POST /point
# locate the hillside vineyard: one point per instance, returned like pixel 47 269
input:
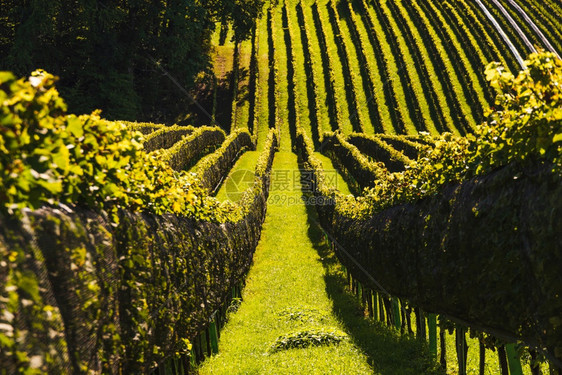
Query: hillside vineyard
pixel 363 186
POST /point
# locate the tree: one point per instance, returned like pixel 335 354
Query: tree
pixel 115 54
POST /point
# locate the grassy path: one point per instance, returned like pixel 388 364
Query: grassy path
pixel 295 285
pixel 287 276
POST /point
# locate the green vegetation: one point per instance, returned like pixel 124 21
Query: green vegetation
pixel 185 151
pixel 471 82
pixel 321 97
pixel 101 265
pixel 545 19
pixel 333 68
pixel 263 82
pixel 124 243
pixel 524 128
pixel 112 55
pixel 295 295
pixel 212 168
pixel 523 137
pixel 335 180
pixel 302 107
pixel 240 176
pixel 281 117
pixel 358 95
pixel 304 339
pixel 164 137
pixel 49 157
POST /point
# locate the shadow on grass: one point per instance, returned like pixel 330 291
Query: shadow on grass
pixel 387 351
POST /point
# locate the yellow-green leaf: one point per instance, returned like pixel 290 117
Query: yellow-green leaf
pixel 74 126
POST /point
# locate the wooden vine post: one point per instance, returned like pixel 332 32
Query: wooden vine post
pixel 482 357
pixel 396 313
pixel 376 310
pixel 462 349
pixel 420 324
pixel 503 360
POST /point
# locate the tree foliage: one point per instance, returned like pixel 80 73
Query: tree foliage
pixel 114 54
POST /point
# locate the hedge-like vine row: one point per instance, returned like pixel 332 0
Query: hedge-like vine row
pixel 143 127
pixel 394 94
pixel 84 296
pixel 166 137
pixel 317 110
pixel 287 111
pixel 472 52
pixel 358 95
pixel 415 101
pixel 422 72
pixel 362 159
pixel 356 168
pixel 410 147
pixel 213 168
pixel 447 100
pixel 359 38
pixel 109 285
pixel 66 158
pixel 185 152
pixel 281 119
pixel 241 96
pixel 261 108
pixel 320 66
pixel 504 23
pixel 467 223
pixel 547 22
pixel 524 26
pixel 372 68
pixel 471 86
pixel 465 254
pixel 483 27
pixel 253 86
pixel 378 149
pixel 294 98
pixel 332 68
pixel 545 12
pixel 521 28
pixel 234 86
pixel 272 68
pixel 464 120
pixel 445 234
pixel 554 6
pixel 485 35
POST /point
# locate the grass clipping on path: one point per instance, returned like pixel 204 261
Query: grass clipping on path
pixel 304 339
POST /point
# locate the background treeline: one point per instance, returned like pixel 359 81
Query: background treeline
pixel 114 54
